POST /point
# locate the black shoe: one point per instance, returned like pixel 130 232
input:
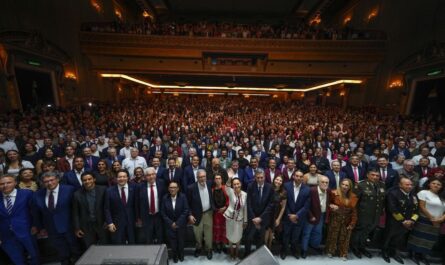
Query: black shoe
pixel 296 255
pixel 175 259
pixel 398 259
pixel 415 258
pixel 181 257
pixel 426 261
pixel 304 254
pixel 197 252
pixel 385 257
pixel 356 253
pixel 209 255
pixel 283 255
pixel 366 253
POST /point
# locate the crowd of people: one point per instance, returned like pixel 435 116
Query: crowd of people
pixel 235 171
pixel 235 30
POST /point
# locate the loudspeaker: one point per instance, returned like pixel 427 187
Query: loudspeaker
pixel 125 255
pixel 261 256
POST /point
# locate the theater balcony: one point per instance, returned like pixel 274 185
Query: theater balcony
pixel 146 57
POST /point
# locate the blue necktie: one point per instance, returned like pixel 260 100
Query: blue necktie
pixel 8 204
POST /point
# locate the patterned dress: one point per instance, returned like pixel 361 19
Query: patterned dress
pixel 219 222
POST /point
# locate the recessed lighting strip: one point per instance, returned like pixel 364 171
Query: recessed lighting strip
pixel 266 89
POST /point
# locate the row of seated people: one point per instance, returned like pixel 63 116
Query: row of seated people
pixel 284 204
pixel 234 30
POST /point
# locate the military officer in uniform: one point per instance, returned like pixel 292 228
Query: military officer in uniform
pixel 401 215
pixel 371 202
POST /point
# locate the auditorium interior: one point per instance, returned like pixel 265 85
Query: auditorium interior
pixel 387 57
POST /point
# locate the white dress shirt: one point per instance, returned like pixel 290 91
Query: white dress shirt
pixel 322 196
pixel 12 196
pixel 205 197
pixel 174 202
pixel 296 191
pixel 131 163
pixel 78 175
pixel 55 195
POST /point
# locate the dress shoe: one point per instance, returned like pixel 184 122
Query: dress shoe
pixel 398 259
pixel 415 259
pixel 365 253
pixel 296 255
pixel 356 253
pixel 175 259
pixel 283 255
pixel 385 257
pixel 181 257
pixel 209 255
pixel 304 254
pixel 197 252
pixel 426 261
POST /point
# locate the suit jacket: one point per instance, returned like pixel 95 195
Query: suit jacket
pixel 160 172
pixel 322 163
pixel 395 151
pixel 350 172
pixel 241 175
pixel 94 160
pixel 331 175
pixel 249 177
pixel 392 177
pixel 421 172
pixel 267 174
pixel 194 200
pixel 80 211
pixel 179 214
pixel 286 176
pixel 189 176
pixel 315 206
pixel 260 208
pixel 300 206
pixel 59 220
pixel 162 148
pixel 118 213
pixel 142 198
pixel 110 160
pixel 262 158
pixel 70 178
pixel 178 176
pixel 18 223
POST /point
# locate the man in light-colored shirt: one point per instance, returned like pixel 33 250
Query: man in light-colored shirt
pixel 133 162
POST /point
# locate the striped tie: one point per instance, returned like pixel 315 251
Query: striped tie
pixel 8 204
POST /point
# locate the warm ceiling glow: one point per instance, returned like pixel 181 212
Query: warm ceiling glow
pixel 96 5
pixel 396 83
pixel 70 75
pixel 275 96
pixel 258 89
pixel 374 12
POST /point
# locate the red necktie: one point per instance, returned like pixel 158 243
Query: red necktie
pixel 123 196
pixel 152 200
pixel 383 174
pixel 355 174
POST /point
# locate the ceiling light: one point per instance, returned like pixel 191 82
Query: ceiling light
pixel 258 89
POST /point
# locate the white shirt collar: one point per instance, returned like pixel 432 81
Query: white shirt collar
pixel 55 191
pixel 12 194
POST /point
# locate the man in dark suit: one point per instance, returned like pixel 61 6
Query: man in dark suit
pixel 387 175
pixel 298 202
pixel 15 222
pixel 353 171
pixel 73 177
pixel 400 149
pixel 174 211
pixel 120 210
pixel 156 164
pixel 89 212
pixel 173 173
pixel 271 171
pixel 259 210
pixel 335 175
pixel 320 161
pixel 113 156
pixel 191 172
pixel 401 215
pixel 423 167
pixel 150 195
pixel 90 160
pixel 158 146
pixel 201 151
pixel 316 216
pixel 201 203
pixel 52 216
pixel 250 172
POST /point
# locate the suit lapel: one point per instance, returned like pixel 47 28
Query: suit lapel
pixel 2 202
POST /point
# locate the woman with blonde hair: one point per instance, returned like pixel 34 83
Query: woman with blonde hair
pixel 341 219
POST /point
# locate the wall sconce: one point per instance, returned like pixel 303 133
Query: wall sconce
pixel 374 12
pixel 95 4
pixel 316 20
pixel 211 95
pixel 176 94
pixel 145 14
pixel 342 93
pixel 347 20
pixel 275 96
pixel 70 75
pixel 396 84
pixel 118 13
pixel 328 94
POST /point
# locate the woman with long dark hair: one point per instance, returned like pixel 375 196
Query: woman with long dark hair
pixel 14 162
pixel 219 222
pixel 279 200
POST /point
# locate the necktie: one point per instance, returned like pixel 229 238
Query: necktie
pixel 355 174
pixel 425 172
pixel 152 200
pixel 123 196
pixel 260 191
pixel 383 174
pixel 51 201
pixel 8 204
pixel 90 162
pixel 171 175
